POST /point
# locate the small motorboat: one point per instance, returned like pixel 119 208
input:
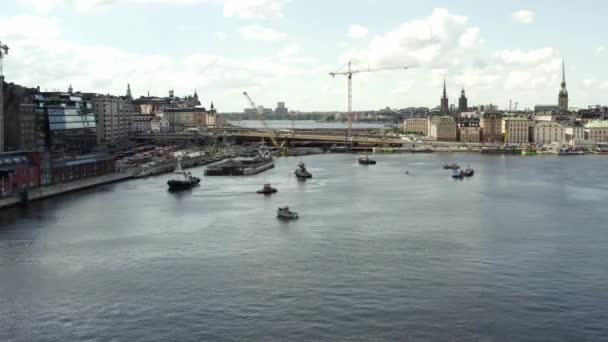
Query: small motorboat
pixel 458 174
pixel 452 166
pixel 285 213
pixel 366 161
pixel 267 190
pixel 301 171
pixel 468 172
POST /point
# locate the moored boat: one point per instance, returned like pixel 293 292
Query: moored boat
pixel 468 172
pixel 457 173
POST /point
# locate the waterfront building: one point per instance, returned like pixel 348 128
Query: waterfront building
pixel 141 123
pixel 444 104
pixel 543 108
pixel 468 131
pixel 462 102
pixel 547 132
pixel 20 119
pixel 515 130
pixel 417 126
pixel 113 115
pixel 563 92
pixel 443 128
pixel 574 133
pixel 69 169
pixel 597 131
pixel 18 171
pixel 491 127
pixel 159 125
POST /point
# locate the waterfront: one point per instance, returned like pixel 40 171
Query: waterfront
pixel 515 253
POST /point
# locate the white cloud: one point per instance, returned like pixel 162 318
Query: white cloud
pixel 588 82
pixel 29 27
pixel 524 16
pixel 432 41
pixel 600 49
pixel 404 87
pixel 255 32
pixel 254 9
pixel 221 35
pixel 357 32
pixel 530 57
pixel 289 51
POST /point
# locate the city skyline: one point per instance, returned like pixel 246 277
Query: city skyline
pixel 267 47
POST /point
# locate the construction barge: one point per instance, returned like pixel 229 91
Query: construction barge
pixel 243 166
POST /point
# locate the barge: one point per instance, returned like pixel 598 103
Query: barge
pixel 243 166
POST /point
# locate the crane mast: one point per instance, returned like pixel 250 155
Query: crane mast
pixel 349 74
pixel 261 118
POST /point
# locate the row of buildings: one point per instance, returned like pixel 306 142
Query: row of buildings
pixel 34 120
pixel 496 128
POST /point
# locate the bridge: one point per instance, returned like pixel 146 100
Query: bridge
pixel 303 137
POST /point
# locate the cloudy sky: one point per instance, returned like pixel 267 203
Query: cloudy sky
pixel 282 50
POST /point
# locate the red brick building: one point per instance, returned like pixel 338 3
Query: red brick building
pixel 69 169
pixel 18 171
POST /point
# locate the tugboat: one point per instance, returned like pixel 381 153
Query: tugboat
pixel 285 213
pixel 366 161
pixel 182 180
pixel 301 171
pixel 458 174
pixel 452 166
pixel 468 172
pixel 267 190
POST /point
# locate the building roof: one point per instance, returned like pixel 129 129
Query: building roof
pixel 597 124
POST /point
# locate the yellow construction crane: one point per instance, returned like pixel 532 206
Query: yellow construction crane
pixel 271 133
pixel 349 73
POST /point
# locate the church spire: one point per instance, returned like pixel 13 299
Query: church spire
pixel 70 89
pixel 444 91
pixel 129 90
pixel 563 73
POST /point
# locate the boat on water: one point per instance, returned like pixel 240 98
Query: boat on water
pixel 528 151
pixel 301 171
pixel 569 152
pixel 366 161
pixel 452 166
pixel 260 162
pixel 468 172
pixel 285 213
pixel 457 173
pixel 267 189
pixel 182 180
pixel 501 150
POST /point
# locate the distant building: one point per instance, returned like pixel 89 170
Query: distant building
pixel 468 131
pixel 444 106
pixel 515 130
pixel 442 128
pixel 462 102
pixel 1 113
pixel 281 109
pixel 68 168
pixel 141 123
pixel 180 118
pixel 545 108
pixel 491 127
pixel 18 171
pixel 113 117
pixel 597 131
pixel 546 132
pixel 417 126
pixel 159 125
pixel 20 119
pixel 563 93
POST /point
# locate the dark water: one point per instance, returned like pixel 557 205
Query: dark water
pixel 517 253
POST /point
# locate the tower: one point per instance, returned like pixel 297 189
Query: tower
pixel 70 89
pixel 462 102
pixel 445 109
pixel 129 90
pixel 562 100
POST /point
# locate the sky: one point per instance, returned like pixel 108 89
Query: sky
pixel 283 50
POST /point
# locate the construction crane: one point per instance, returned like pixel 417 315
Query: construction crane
pixel 260 112
pixel 349 74
pixel 3 52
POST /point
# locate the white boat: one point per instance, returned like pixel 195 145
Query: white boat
pixel 285 213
